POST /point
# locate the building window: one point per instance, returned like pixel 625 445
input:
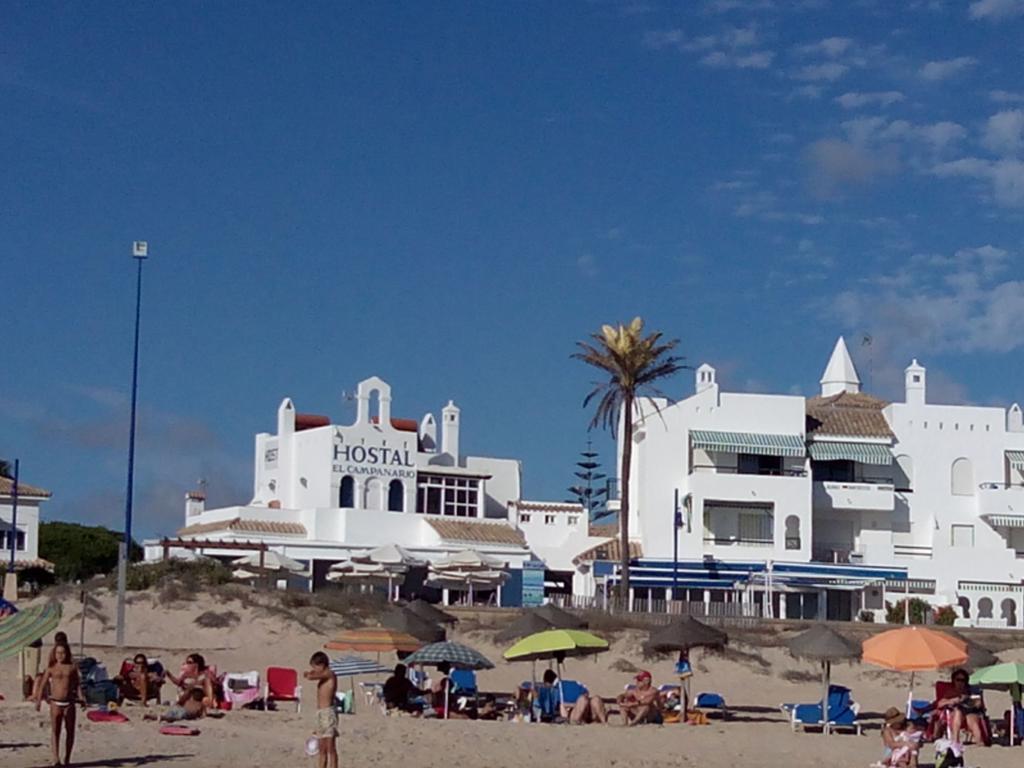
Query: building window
pixel 838 471
pixel 755 464
pixel 347 493
pixel 985 606
pixel 962 478
pixel 396 496
pixel 917 378
pixel 962 536
pixel 448 495
pixel 728 523
pixel 549 519
pixel 524 517
pixel 19 541
pixel 792 532
pixel 574 520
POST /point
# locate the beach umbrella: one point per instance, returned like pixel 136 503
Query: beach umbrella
pixel 350 666
pixel 403 620
pixel 682 635
pixel 559 618
pixel 529 623
pixel 371 639
pixel 389 554
pixel 458 656
pixel 466 560
pixel 26 625
pixel 823 644
pixel 1004 677
pixel 913 649
pixel 978 656
pixel 556 644
pixel 430 612
pixel 272 561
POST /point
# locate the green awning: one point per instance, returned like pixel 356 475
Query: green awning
pixel 1005 521
pixel 748 442
pixel 1016 459
pixel 864 453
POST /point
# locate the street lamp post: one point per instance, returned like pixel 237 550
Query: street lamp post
pixel 677 523
pixel 140 250
pixel 13 540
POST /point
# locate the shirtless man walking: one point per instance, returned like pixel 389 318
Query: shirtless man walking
pixel 326 716
pixel 65 692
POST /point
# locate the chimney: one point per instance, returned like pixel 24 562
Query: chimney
pixel 450 430
pixel 195 504
pixel 705 378
pixel 915 383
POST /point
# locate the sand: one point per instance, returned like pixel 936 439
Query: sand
pixel 754 679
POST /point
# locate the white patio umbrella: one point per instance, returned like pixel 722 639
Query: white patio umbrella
pixel 389 554
pixel 272 561
pixel 468 560
pixel 467 574
pixel 351 570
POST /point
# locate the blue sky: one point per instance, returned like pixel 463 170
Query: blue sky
pixel 449 195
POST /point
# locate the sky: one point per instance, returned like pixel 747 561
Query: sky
pixel 449 195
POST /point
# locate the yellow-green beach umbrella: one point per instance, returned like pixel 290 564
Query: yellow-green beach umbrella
pixel 556 644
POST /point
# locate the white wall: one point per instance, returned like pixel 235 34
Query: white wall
pixel 28 521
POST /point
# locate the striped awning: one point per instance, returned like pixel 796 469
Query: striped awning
pixel 748 442
pixel 1005 521
pixel 863 453
pixel 1016 459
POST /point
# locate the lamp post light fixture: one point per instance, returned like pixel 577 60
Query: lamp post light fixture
pixel 140 251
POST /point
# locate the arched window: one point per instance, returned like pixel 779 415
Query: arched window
pixel 373 498
pixel 396 496
pixel 985 608
pixel 792 532
pixel 962 478
pixel 965 606
pixel 347 493
pixel 904 476
pixel 1008 611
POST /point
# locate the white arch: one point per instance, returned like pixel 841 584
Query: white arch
pixel 373 494
pixel 962 477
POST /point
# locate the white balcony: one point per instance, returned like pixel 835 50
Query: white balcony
pixel 1000 499
pixel 829 495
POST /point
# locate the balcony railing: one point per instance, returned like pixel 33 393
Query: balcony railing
pixel 729 541
pixel 718 470
pixel 831 553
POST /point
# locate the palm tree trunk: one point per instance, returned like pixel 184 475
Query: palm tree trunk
pixel 624 470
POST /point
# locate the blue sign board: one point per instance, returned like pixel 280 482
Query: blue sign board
pixel 533 583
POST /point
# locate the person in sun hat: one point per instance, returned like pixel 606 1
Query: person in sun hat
pixel 901 740
pixel 643 703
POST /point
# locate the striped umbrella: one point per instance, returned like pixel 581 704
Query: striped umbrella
pixel 26 626
pixel 459 656
pixel 349 666
pixel 373 639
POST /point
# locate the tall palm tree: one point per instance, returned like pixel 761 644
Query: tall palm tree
pixel 634 363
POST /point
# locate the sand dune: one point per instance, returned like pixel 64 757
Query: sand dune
pixel 753 678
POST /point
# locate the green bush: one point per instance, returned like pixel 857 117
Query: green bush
pixel 867 616
pixel 81 551
pixel 191 576
pixel 896 612
pixel 945 616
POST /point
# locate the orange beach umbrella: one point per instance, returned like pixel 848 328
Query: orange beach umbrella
pixel 374 639
pixel 912 649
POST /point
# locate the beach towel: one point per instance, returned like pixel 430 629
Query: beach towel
pixel 178 730
pixel 100 716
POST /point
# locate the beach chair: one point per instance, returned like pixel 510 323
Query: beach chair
pixel 156 682
pixel 241 688
pixel 939 726
pixel 842 713
pixel 571 691
pixel 282 685
pixel 463 682
pixel 709 702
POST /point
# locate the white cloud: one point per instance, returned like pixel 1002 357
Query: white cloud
pixel 940 70
pixel 808 91
pixel 830 71
pixel 853 100
pixel 663 38
pixel 1004 133
pixel 726 6
pixel 1006 177
pixel 937 136
pixel 833 47
pixel 835 164
pixel 587 264
pixel 733 47
pixel 996 9
pixel 942 303
pixel 1006 97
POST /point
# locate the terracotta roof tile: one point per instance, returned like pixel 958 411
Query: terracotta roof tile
pixel 609 551
pixel 241 525
pixel 605 529
pixel 847 414
pixel 24 489
pixel 548 506
pixel 477 532
pixel 21 565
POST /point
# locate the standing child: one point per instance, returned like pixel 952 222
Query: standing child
pixel 65 692
pixel 326 717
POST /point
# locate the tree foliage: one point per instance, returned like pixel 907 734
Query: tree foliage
pixel 634 364
pixel 588 475
pixel 81 551
pixel 896 612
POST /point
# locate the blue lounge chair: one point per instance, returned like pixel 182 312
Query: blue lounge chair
pixel 713 702
pixel 463 681
pixel 842 712
pixel 571 691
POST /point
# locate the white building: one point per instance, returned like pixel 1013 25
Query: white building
pixel 25 533
pixel 322 491
pixel 817 507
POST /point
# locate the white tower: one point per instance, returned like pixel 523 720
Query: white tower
pixel 1014 419
pixel 915 383
pixel 705 378
pixel 840 374
pixel 450 430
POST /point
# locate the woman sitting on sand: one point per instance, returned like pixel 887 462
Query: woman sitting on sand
pixel 141 683
pixel 194 674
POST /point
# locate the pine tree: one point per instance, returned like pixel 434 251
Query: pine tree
pixel 593 499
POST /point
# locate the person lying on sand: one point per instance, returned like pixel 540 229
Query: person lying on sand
pixel 643 704
pixel 64 691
